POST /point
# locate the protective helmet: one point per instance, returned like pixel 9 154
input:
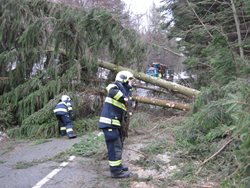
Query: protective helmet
pixel 65 98
pixel 124 76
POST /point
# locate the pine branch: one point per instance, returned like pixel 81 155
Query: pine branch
pixel 214 155
pixel 199 19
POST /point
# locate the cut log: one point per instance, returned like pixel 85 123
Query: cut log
pixel 4 78
pixel 153 101
pixel 155 81
pixel 167 92
pixel 162 102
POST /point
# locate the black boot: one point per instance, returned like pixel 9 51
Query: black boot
pixel 63 133
pixel 120 174
pixel 71 135
pixel 124 168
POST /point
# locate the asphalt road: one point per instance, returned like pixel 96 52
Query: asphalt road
pixel 25 164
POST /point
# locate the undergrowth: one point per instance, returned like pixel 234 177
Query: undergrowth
pixel 220 121
pixel 43 123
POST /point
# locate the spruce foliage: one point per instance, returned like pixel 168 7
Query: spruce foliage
pixel 211 41
pixel 47 49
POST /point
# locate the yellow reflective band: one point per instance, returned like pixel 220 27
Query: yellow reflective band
pixel 62 128
pixel 116 122
pixel 105 120
pixel 70 108
pixel 115 103
pixel 60 110
pixel 69 130
pixel 115 163
pixel 110 86
pixel 109 130
pixel 110 121
pixel 118 95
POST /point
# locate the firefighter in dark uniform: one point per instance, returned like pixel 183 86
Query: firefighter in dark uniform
pixel 118 95
pixel 64 112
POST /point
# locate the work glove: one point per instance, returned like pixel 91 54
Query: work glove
pixel 71 115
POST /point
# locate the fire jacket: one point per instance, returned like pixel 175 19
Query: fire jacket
pixel 63 108
pixel 114 105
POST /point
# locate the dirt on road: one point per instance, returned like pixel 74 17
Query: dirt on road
pixel 46 163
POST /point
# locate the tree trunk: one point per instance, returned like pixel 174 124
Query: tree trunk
pixel 237 24
pixel 163 103
pixel 147 100
pixel 167 92
pixel 155 81
pixel 4 78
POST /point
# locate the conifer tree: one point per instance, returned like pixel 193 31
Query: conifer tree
pixel 48 48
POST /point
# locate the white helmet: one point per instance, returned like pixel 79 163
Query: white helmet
pixel 65 98
pixel 124 76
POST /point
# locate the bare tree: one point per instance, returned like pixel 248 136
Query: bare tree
pixel 237 24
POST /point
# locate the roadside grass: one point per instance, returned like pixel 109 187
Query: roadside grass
pixel 140 120
pixel 24 164
pixel 156 147
pixel 40 141
pixel 161 133
pixel 6 149
pixel 90 145
pixel 124 184
pixel 61 157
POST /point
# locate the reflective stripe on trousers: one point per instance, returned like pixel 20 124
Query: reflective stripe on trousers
pixel 115 147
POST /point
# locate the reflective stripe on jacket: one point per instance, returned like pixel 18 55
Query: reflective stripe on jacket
pixel 69 105
pixel 114 106
pixel 62 108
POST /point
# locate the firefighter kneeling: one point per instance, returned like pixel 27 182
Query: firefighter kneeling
pixel 112 115
pixel 63 111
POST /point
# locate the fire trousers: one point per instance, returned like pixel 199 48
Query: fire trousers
pixel 115 147
pixel 64 124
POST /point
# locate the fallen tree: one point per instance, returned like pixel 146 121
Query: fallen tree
pixel 155 81
pixel 189 92
pixel 163 103
pixel 167 92
pixel 149 100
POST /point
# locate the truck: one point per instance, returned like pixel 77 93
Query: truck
pixel 159 70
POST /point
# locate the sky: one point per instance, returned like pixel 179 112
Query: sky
pixel 141 7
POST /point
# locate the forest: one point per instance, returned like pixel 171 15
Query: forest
pixel 50 48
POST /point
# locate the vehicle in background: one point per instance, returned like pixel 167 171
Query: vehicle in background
pixel 160 71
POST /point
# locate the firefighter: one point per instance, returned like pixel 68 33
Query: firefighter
pixel 118 95
pixel 64 112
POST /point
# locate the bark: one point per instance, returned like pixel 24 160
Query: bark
pixel 155 81
pixel 163 103
pixel 167 92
